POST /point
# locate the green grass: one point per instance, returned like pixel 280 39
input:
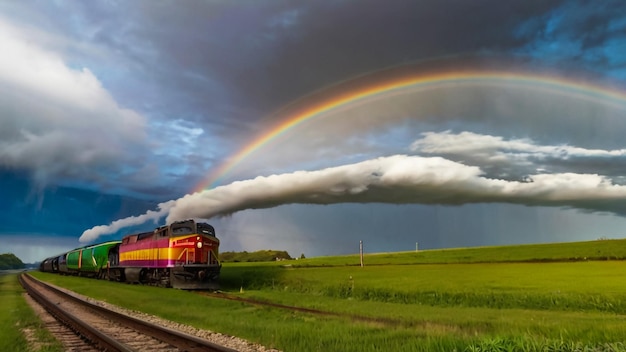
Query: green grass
pixel 571 251
pixel 17 318
pixel 495 305
pixel 562 286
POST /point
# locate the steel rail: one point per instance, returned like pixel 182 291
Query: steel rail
pixel 81 328
pixel 175 338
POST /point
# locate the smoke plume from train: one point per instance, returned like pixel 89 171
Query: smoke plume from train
pixel 396 179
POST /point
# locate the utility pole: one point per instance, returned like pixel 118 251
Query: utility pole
pixel 361 251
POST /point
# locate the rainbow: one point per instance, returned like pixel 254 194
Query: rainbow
pixel 362 91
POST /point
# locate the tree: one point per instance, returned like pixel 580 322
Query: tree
pixel 10 261
pixel 258 256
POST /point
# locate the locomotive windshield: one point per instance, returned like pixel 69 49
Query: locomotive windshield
pixel 206 229
pixel 190 227
pixel 182 230
pixel 183 227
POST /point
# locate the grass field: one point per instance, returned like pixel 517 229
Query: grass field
pixel 17 321
pixel 596 286
pixel 571 251
pixel 527 298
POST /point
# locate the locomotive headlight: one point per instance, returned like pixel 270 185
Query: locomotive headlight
pixel 199 244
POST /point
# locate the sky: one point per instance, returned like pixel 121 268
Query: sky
pixel 309 126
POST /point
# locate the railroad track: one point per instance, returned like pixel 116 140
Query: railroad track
pixel 106 330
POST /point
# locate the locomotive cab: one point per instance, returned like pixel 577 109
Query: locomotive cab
pixel 183 255
pixel 197 265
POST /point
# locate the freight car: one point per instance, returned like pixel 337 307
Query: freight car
pixel 50 265
pixel 90 261
pixel 62 264
pixel 182 255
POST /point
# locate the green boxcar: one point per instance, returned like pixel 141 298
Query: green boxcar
pixel 90 260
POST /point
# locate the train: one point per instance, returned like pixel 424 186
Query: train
pixel 183 255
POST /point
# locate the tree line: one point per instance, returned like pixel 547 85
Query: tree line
pixel 10 261
pixel 258 256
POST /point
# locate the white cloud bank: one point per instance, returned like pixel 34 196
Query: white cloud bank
pixel 473 143
pixel 523 153
pixel 58 121
pixel 396 179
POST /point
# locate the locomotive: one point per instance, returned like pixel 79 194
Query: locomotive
pixel 182 255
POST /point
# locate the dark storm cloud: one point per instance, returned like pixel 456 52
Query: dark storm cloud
pixel 224 65
pixel 239 60
pixel 64 211
pixel 331 41
pixel 585 33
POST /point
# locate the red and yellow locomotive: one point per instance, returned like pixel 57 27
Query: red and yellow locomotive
pixel 182 255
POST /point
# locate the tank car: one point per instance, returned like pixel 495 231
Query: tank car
pixel 49 265
pixel 182 255
pixel 61 260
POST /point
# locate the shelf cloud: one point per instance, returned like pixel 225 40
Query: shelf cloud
pixel 399 179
